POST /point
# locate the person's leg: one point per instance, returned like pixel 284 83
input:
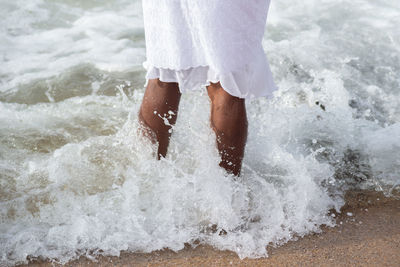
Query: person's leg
pixel 229 122
pixel 158 112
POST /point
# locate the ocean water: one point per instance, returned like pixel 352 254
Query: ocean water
pixel 76 178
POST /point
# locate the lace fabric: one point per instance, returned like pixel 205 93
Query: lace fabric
pixel 198 42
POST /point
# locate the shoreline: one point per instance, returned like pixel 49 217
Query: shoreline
pixel 367 234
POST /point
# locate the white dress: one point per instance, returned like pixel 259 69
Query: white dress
pixel 195 42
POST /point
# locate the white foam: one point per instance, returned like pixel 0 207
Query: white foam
pixel 40 49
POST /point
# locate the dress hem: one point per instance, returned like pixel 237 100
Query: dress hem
pixel 245 84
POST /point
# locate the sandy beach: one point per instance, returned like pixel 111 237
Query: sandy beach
pixel 367 234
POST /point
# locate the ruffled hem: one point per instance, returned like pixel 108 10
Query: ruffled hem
pixel 255 80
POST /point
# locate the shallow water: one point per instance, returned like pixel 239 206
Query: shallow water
pixel 75 178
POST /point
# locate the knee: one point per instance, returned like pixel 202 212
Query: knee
pixel 227 112
pixel 161 96
pixel 160 84
pixel 221 99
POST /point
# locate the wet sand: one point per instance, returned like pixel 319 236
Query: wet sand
pixel 367 234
